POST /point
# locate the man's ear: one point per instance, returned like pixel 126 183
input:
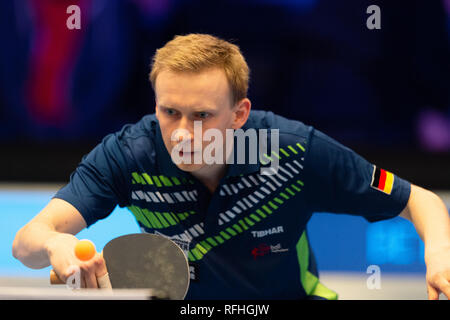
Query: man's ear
pixel 241 112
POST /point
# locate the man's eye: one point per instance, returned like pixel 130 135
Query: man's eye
pixel 170 112
pixel 203 115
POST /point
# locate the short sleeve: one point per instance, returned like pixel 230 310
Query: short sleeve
pixel 99 182
pixel 341 181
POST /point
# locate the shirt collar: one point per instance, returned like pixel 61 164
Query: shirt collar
pixel 167 167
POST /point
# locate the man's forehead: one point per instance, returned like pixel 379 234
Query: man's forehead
pixel 209 80
pixel 212 76
pixel 204 92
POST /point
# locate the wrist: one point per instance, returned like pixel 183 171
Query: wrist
pixel 436 247
pixel 437 236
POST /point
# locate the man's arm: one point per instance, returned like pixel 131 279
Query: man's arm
pixel 430 217
pixel 48 239
pixel 30 243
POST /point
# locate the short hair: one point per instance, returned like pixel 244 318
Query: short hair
pixel 198 52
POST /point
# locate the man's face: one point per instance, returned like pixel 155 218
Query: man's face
pixel 182 98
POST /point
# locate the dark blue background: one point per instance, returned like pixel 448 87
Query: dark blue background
pixel 311 60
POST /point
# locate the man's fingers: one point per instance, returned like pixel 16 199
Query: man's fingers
pixel 87 280
pixel 443 285
pixel 85 274
pixel 93 269
pixel 437 284
pixel 433 294
pixel 100 266
pixel 83 283
pixel 101 273
pixel 104 282
pixel 69 273
pixel 91 280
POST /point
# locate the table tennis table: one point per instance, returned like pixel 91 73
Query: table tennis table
pixel 63 293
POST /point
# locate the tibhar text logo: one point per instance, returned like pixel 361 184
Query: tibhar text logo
pixel 213 153
pixel 268 232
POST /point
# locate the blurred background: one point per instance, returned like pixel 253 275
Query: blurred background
pixel 385 93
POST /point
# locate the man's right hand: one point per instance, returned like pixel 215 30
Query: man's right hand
pixel 48 239
pixel 61 253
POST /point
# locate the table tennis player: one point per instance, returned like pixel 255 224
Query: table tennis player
pixel 242 225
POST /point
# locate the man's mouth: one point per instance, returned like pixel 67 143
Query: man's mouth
pixel 181 153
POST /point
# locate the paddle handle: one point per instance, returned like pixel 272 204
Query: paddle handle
pixel 54 279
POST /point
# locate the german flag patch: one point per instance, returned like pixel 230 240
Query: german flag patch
pixel 382 180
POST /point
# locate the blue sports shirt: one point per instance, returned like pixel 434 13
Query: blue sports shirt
pixel 248 239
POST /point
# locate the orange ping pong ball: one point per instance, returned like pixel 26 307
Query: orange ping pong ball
pixel 85 250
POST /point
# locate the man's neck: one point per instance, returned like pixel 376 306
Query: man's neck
pixel 210 175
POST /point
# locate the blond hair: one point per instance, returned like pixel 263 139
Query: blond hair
pixel 198 52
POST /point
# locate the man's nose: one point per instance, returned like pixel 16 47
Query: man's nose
pixel 184 132
pixel 182 135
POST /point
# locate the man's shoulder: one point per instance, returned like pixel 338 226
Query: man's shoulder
pixel 291 131
pixel 136 141
pixel 145 127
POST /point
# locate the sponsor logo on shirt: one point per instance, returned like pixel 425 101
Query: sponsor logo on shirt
pixel 264 249
pixel 267 232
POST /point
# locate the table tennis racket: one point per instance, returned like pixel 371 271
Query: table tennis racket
pixel 145 260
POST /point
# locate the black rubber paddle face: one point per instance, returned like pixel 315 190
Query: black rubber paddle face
pixel 145 260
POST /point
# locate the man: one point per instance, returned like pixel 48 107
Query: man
pixel 242 228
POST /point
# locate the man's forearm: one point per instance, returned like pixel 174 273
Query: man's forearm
pixel 429 215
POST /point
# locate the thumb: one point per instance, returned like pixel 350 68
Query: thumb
pixel 433 294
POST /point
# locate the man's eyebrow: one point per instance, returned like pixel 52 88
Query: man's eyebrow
pixel 196 108
pixel 166 107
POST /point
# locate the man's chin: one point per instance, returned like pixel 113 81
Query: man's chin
pixel 189 167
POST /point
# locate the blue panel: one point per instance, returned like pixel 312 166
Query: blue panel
pixel 348 243
pixel 395 244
